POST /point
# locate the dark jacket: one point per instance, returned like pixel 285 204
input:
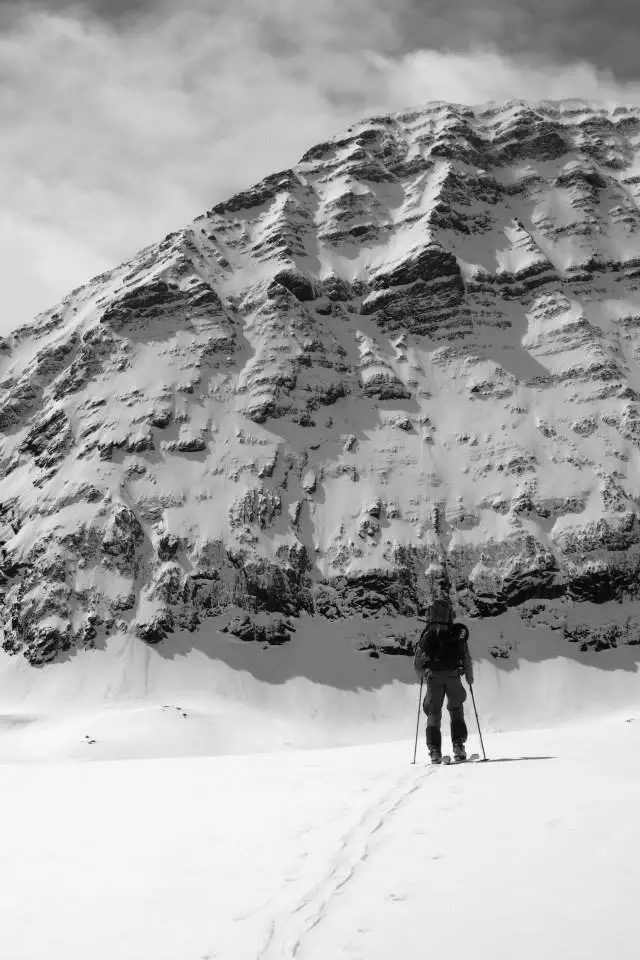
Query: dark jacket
pixel 461 661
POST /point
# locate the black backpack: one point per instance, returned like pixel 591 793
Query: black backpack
pixel 439 614
pixel 442 643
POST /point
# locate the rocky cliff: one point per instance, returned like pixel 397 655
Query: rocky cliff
pixel 421 344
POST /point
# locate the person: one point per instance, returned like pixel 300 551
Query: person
pixel 441 657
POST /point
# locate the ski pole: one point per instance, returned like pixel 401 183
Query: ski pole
pixel 415 749
pixel 484 756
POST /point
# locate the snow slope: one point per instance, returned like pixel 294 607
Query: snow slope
pixel 341 853
pixel 213 694
pixel 419 344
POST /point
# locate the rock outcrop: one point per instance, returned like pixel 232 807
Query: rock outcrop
pixel 420 344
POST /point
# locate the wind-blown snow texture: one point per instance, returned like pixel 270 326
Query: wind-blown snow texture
pixel 422 341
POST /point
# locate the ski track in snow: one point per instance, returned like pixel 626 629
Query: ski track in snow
pixel 287 931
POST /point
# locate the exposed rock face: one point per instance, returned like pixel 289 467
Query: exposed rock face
pixel 420 343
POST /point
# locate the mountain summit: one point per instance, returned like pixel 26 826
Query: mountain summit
pixel 415 353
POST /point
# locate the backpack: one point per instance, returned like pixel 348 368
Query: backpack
pixel 439 613
pixel 442 643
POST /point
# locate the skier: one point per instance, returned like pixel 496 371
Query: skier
pixel 442 655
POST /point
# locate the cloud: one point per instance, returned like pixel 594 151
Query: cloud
pixel 480 76
pixel 559 31
pixel 117 131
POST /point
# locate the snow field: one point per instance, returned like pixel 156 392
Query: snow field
pixel 208 694
pixel 341 853
pixel 261 804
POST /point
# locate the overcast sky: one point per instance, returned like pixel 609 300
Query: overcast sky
pixel 123 119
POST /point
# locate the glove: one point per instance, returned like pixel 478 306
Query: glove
pixel 469 678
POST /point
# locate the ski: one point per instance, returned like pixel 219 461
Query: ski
pixel 451 761
pixel 447 760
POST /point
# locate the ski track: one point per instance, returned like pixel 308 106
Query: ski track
pixel 288 930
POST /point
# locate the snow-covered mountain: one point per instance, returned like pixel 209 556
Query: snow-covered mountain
pixel 420 343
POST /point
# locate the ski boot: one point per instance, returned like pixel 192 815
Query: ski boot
pixel 435 755
pixel 459 752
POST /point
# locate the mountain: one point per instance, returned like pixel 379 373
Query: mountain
pixel 412 356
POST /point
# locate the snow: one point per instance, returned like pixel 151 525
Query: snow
pixel 168 487
pixel 212 798
pixel 343 853
pixel 220 800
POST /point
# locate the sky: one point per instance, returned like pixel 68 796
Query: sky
pixel 124 119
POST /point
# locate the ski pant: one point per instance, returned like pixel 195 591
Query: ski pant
pixel 439 684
